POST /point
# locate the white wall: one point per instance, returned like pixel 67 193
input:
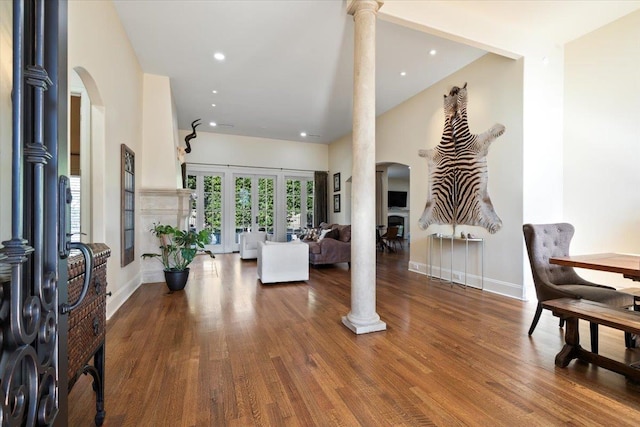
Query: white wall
pixel 99 46
pixel 219 149
pixel 159 162
pixel 602 142
pixel 6 83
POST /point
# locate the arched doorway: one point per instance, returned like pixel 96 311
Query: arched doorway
pixel 393 184
pixel 87 153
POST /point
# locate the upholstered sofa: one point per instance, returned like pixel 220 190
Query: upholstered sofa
pixel 333 247
pixel 282 262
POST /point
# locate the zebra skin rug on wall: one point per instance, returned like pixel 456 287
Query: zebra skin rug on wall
pixel 457 189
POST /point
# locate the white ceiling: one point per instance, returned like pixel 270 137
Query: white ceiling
pixel 289 63
pixel 288 66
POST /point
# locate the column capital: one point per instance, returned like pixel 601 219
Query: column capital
pixel 358 5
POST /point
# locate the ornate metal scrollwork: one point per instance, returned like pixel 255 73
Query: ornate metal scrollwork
pixel 29 376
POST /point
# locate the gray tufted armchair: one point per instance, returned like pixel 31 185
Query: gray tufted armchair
pixel 552 281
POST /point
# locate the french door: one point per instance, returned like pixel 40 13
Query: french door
pixel 255 204
pixel 230 201
pixel 229 204
pixel 299 197
pixel 207 207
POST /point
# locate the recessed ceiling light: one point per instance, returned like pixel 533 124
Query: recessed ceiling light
pixel 433 52
pixel 214 91
pixel 303 134
pixel 219 56
pixel 403 73
pixel 213 124
pixel 213 105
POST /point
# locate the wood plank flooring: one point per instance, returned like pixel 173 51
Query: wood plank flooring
pixel 229 351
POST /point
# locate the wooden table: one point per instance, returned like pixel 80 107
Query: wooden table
pixel 627 265
pixel 574 309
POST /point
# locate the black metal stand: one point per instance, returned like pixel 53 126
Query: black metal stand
pixel 97 372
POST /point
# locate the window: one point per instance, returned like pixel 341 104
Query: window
pixel 74 182
pixel 127 205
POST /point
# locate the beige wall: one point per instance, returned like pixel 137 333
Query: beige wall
pixel 602 141
pixel 495 95
pixel 340 161
pixel 6 83
pixel 99 46
pixel 542 91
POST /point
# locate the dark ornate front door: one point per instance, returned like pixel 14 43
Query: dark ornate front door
pixel 33 385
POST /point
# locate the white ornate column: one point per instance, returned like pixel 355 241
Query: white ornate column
pixel 363 317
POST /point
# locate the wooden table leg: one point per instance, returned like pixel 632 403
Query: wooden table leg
pixel 572 343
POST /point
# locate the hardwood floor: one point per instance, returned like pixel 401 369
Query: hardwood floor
pixel 229 351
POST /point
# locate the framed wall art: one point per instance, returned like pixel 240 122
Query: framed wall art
pixel 336 182
pixel 336 203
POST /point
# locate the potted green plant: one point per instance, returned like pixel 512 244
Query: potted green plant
pixel 177 249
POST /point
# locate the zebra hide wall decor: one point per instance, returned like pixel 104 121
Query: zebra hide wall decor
pixel 457 190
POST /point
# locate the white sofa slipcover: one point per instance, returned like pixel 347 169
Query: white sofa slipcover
pixel 249 243
pixel 283 262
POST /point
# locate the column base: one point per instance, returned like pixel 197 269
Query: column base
pixel 364 329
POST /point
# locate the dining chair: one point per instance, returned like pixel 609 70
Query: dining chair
pixel 552 281
pixel 391 238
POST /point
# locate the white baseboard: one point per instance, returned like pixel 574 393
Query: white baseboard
pixel 115 301
pixel 511 290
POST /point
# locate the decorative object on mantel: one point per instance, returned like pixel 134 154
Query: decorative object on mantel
pixel 183 151
pixel 458 175
pixel 178 248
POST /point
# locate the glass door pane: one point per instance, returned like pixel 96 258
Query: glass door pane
pixel 213 207
pixel 266 204
pixel 243 202
pixel 310 201
pixel 294 205
pixel 207 207
pixel 299 205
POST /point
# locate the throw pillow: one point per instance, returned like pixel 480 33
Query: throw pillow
pixel 323 233
pixel 333 234
pixel 308 235
pixel 345 233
